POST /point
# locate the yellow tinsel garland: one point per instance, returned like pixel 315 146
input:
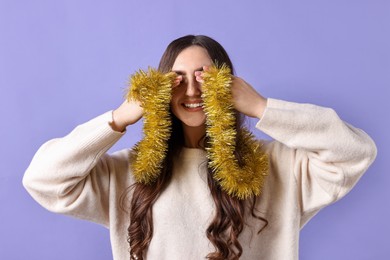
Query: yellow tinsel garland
pixel 153 90
pixel 240 181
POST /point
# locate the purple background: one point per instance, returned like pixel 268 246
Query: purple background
pixel 64 62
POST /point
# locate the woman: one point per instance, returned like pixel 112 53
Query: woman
pixel 314 160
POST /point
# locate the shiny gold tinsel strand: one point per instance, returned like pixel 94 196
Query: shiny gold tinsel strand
pixel 240 181
pixel 153 90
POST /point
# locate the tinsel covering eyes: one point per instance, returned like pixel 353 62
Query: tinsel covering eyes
pixel 153 90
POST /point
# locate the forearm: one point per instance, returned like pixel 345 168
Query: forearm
pixel 314 128
pixel 325 155
pixel 60 164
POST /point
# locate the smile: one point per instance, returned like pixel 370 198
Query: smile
pixel 193 105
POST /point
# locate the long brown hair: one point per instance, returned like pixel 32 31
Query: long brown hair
pixel 228 221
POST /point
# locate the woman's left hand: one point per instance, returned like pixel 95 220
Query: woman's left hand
pixel 245 98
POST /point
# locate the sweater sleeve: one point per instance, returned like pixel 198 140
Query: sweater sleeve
pixel 71 175
pixel 329 155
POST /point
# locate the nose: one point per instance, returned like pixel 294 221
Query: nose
pixel 193 88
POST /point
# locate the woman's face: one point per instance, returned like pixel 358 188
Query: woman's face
pixel 186 102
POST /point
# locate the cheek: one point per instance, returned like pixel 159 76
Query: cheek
pixel 174 105
pixel 175 98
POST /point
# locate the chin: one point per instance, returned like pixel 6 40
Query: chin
pixel 195 123
pixel 191 120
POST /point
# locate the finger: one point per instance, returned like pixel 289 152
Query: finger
pixel 177 81
pixel 179 78
pixel 199 76
pixel 199 79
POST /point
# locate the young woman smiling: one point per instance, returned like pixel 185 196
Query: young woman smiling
pixel 314 160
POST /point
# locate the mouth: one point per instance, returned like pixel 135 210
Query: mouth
pixel 193 106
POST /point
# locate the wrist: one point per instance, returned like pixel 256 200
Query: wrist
pixel 261 107
pixel 116 123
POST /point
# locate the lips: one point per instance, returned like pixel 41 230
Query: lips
pixel 193 105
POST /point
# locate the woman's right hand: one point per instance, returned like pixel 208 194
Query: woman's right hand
pixel 126 114
pixel 131 111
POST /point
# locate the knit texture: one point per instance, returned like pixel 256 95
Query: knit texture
pixel 314 159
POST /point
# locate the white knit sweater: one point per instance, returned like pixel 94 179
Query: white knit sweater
pixel 315 160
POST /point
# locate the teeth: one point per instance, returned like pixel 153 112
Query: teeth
pixel 193 105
